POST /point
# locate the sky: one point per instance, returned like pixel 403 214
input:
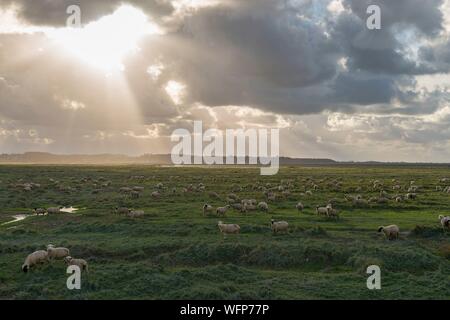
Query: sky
pixel 137 70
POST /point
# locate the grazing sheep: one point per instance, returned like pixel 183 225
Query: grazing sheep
pixel 136 213
pixel 54 210
pixel 360 202
pixel 122 210
pixel 39 211
pixel 33 259
pixel 138 189
pixel 263 206
pixel 55 253
pixel 249 207
pixel 279 226
pixel 228 228
pixel 322 210
pixel 391 232
pixel 207 209
pixel 445 222
pixel 81 263
pixel 156 195
pixel 221 211
pixel 333 213
pixel 125 190
pixel 308 193
pixel 299 206
pixel 135 195
pixel 411 196
pixel 398 199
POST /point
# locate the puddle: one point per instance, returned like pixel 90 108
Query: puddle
pixel 17 218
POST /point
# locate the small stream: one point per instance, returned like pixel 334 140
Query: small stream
pixel 21 217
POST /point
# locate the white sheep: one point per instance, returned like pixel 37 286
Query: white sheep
pixel 279 226
pixel 54 210
pixel 207 209
pixel 299 206
pixel 333 213
pixel 33 259
pixel 445 222
pixel 263 206
pixel 221 211
pixel 228 228
pixel 136 213
pixel 56 253
pixel 81 263
pixel 122 210
pixel 156 195
pixel 391 232
pixel 322 210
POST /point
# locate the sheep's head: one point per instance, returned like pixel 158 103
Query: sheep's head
pixel 68 259
pixel 25 268
pixel 380 229
pixel 219 223
pixel 50 246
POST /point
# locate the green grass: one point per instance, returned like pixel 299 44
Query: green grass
pixel 173 252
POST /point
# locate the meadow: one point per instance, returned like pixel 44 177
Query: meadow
pixel 174 252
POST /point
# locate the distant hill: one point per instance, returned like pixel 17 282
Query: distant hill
pixel 163 159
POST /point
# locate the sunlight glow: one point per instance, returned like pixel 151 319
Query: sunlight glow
pixel 105 42
pixel 176 91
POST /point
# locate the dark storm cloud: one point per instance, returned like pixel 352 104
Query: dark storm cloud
pixel 53 12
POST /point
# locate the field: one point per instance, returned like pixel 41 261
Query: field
pixel 173 252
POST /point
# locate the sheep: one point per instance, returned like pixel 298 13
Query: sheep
pixel 33 259
pixel 122 210
pixel 411 196
pixel 221 211
pixel 138 189
pixel 55 253
pixel 322 210
pixel 299 206
pixel 228 228
pixel 81 263
pixel 39 211
pixel 207 209
pixel 279 226
pixel 136 213
pixel 445 222
pixel 125 190
pixel 135 195
pixel 391 232
pixel 249 207
pixel 333 213
pixel 214 195
pixel 398 199
pixel 309 193
pixel 360 202
pixel 54 210
pixel 156 195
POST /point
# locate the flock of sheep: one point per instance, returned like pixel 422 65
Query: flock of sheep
pixel 52 253
pixel 270 192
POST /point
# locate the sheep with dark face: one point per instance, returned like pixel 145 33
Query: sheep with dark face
pixel 221 211
pixel 391 232
pixel 263 206
pixel 445 222
pixel 35 258
pixel 279 226
pixel 207 209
